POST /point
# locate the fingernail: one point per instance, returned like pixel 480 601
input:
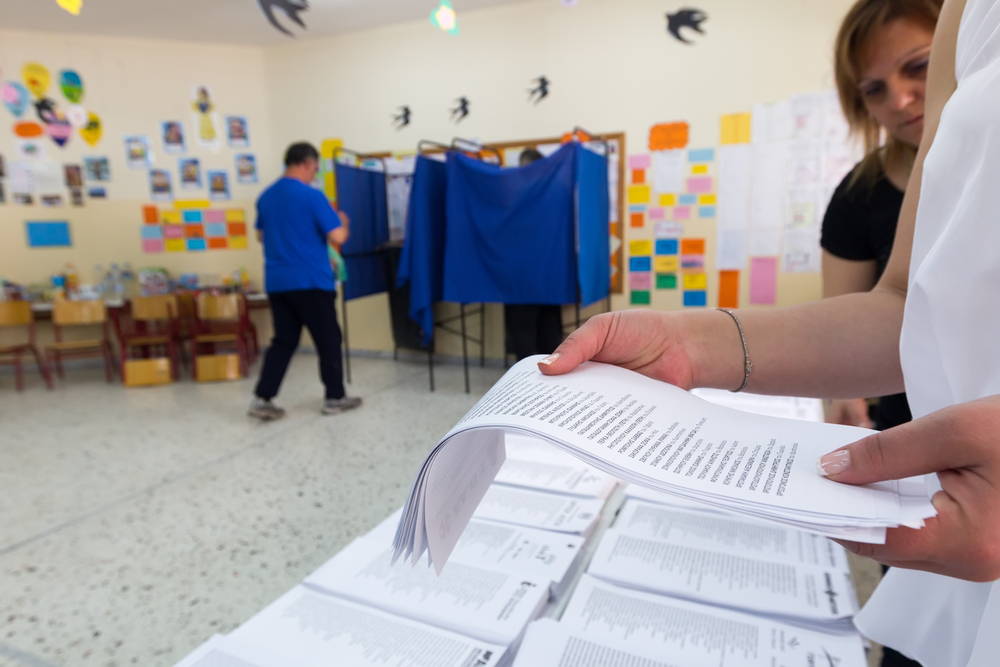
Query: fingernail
pixel 551 359
pixel 834 462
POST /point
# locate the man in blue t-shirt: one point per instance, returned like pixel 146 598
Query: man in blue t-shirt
pixel 295 223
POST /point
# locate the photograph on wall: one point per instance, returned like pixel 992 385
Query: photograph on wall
pixel 97 193
pixel 190 171
pixel 246 168
pixel 51 200
pixel 218 184
pixel 97 169
pixel 159 185
pixel 137 152
pixel 206 118
pixel 73 175
pixel 237 132
pixel 76 197
pixel 173 136
pixel 3 168
pixel 3 194
pixel 22 198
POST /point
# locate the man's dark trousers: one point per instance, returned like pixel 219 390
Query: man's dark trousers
pixel 317 310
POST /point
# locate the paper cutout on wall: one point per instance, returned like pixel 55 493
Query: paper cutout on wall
pixel 76 116
pixel 539 90
pixel 91 132
pixel 15 98
pixel 638 194
pixel 666 264
pixel 403 118
pixel 237 132
pixel 640 298
pixel 246 168
pixel 640 280
pixel 734 129
pixel 685 18
pixel 36 78
pixel 28 129
pixel 291 9
pixel 206 119
pixel 60 130
pixel 218 184
pixel 71 85
pixel 459 112
pixel 696 299
pixel 200 228
pixel 695 281
pixel 638 162
pixel 172 135
pixel 666 281
pixel 640 247
pixel 666 136
pixel 444 18
pixel 71 6
pixel 137 153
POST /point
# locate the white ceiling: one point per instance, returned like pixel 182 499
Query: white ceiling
pixel 220 21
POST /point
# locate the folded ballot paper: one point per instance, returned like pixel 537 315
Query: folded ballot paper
pixel 654 435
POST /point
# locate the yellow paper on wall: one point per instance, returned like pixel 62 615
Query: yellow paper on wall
pixel 728 129
pixel 328 146
pixel 639 248
pixel 170 217
pixel 665 263
pixel 743 128
pixel 699 169
pixel 668 200
pixel 235 215
pixel 175 245
pixel 192 203
pixel 695 281
pixel 237 242
pixel 706 199
pixel 638 194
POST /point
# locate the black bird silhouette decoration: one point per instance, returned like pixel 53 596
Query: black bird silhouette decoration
pixel 291 8
pixel 461 111
pixel 540 91
pixel 686 17
pixel 402 119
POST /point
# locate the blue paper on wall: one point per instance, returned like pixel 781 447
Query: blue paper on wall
pixel 48 234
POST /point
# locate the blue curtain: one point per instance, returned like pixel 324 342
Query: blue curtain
pixel 510 232
pixel 422 261
pixel 593 208
pixel 361 195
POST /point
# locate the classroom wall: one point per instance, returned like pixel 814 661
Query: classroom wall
pixel 133 85
pixel 612 65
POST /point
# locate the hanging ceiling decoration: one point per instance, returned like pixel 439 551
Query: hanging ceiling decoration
pixel 444 18
pixel 291 9
pixel 71 6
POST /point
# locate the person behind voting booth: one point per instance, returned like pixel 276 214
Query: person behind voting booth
pixel 929 324
pixel 296 223
pixel 532 328
pixel 880 66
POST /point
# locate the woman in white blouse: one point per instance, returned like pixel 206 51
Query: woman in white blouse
pixel 931 323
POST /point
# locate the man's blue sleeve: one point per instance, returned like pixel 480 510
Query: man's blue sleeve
pixel 327 219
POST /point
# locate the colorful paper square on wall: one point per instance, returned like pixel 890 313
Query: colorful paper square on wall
pixel 640 280
pixel 238 243
pixel 195 245
pixel 640 247
pixel 729 289
pixel 693 246
pixel 638 194
pixel 640 263
pixel 191 216
pixel 215 229
pixel 218 243
pixel 695 281
pixel 638 176
pixel 666 246
pixel 640 298
pixel 696 299
pixel 666 264
pixel 235 215
pixel 237 228
pixel 667 136
pixel 666 281
pixel 636 220
pixel 150 215
pixel 193 227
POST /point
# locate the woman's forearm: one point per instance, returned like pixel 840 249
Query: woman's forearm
pixel 841 347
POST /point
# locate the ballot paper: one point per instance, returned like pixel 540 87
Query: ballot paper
pixel 656 435
pixel 696 635
pixel 551 644
pixel 317 630
pixel 537 509
pixel 535 464
pixel 779 589
pixel 222 651
pixel 789 407
pixel 730 534
pixel 539 554
pixel 480 602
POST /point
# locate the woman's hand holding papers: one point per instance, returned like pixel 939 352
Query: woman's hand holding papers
pixel 959 443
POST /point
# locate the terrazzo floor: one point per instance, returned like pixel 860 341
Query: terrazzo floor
pixel 135 523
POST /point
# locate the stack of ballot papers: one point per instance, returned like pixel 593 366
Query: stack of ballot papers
pixel 654 435
pixel 538 509
pixel 789 407
pixel 728 561
pixel 535 464
pixel 311 629
pixel 537 554
pixel 608 626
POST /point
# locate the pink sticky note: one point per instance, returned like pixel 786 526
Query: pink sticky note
pixel 638 162
pixel 763 280
pixel 214 215
pixel 173 231
pixel 682 212
pixel 640 280
pixel 152 245
pixel 657 213
pixel 700 184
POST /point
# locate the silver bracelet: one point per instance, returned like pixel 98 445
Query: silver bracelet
pixel 747 366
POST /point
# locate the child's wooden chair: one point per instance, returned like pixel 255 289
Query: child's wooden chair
pixel 80 313
pixel 220 319
pixel 18 314
pixel 152 324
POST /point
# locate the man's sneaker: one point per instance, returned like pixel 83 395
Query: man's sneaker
pixel 264 410
pixel 333 406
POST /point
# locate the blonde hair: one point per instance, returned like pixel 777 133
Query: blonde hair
pixel 863 20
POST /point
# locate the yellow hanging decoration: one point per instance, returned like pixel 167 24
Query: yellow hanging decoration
pixel 71 6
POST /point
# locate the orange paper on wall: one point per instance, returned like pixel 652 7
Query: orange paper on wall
pixel 729 289
pixel 692 246
pixel 668 135
pixel 636 220
pixel 638 176
pixel 150 215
